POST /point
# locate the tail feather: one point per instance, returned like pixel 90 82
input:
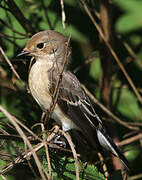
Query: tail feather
pixel 106 142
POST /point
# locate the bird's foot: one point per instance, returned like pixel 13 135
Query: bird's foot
pixel 59 140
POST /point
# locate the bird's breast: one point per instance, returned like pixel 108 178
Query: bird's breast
pixel 39 85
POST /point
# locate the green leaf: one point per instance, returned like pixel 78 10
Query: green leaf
pixel 128 104
pixel 64 168
pixel 95 69
pixel 132 152
pixel 132 17
pixel 70 30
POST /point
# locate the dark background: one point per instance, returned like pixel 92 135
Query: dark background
pixel 115 80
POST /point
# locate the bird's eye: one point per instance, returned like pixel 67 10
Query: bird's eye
pixel 40 45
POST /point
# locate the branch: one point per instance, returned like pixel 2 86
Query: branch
pixel 112 52
pixel 47 151
pixel 125 124
pixel 29 153
pixel 12 29
pixel 59 79
pixel 11 66
pixel 25 139
pixel 130 140
pixel 26 24
pixel 67 136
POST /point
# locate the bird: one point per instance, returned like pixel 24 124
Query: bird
pixel 73 109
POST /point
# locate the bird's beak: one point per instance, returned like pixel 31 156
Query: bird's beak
pixel 23 53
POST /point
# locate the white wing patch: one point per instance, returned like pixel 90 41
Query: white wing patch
pixel 88 111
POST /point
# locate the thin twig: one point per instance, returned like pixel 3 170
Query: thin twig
pixel 86 62
pixel 28 154
pixel 108 111
pixel 63 14
pixel 14 9
pixel 10 64
pixel 106 174
pixel 59 79
pixel 13 30
pixel 126 45
pixel 130 51
pixel 130 140
pixel 135 123
pixel 3 177
pixel 47 151
pixel 27 129
pixel 32 169
pixel 67 136
pixel 25 139
pixel 8 36
pixel 46 14
pixel 112 52
pixel 135 177
pixel 12 42
pixel 22 158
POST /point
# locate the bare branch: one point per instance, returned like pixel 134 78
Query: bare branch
pixel 8 36
pixel 25 139
pixel 125 124
pixel 59 79
pixel 112 52
pixel 47 152
pixel 29 153
pixel 63 14
pixel 26 24
pixel 11 28
pixel 11 66
pixel 130 140
pixel 67 136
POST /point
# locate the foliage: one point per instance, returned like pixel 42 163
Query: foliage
pixel 16 28
pixel 131 19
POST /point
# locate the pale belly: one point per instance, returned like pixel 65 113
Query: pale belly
pixel 39 87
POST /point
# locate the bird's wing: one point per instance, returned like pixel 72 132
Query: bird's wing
pixel 76 105
pixel 74 102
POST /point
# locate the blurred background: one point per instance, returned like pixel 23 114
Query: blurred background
pixel 106 41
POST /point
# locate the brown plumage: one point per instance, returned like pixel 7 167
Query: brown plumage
pixel 73 109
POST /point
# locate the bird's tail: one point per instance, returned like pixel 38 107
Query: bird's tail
pixel 109 145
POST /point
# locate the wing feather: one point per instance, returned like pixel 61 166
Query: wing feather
pixel 75 99
pixel 74 102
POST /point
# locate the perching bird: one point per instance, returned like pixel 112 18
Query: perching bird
pixel 73 109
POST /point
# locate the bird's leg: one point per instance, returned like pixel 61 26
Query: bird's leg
pixel 56 140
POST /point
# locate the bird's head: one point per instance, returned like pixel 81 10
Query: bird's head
pixel 49 45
